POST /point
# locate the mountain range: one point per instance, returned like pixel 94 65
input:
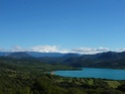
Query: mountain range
pixel 106 59
pixel 35 54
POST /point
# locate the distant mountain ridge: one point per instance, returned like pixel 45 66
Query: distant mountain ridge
pixel 106 59
pixel 35 54
pixel 4 53
pixel 39 54
pixel 105 55
pixel 19 55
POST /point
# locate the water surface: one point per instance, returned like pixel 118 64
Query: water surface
pixel 114 74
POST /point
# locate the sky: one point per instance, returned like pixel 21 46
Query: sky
pixel 81 26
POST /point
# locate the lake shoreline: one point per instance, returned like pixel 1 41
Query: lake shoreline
pixel 101 73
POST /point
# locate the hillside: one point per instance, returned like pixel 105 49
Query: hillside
pixel 102 60
pixel 23 76
pixel 105 60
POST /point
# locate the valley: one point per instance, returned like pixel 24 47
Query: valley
pixel 22 73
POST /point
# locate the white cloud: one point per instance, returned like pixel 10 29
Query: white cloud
pixel 2 50
pixel 54 48
pixel 121 50
pixel 41 48
pixel 86 50
pixel 18 49
pixel 64 51
pixel 45 48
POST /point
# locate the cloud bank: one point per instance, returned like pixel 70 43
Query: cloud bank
pixel 45 48
pixel 40 48
pixel 56 49
pixel 85 50
pixel 121 50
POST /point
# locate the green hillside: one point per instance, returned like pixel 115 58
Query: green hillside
pixel 23 76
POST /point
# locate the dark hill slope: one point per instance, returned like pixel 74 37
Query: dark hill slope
pixel 108 60
pixel 19 55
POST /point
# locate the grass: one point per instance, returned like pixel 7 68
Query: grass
pixel 113 84
pixel 90 82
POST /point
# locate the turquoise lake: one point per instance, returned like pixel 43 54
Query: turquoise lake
pixel 114 74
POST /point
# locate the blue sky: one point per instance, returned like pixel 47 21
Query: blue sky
pixel 63 24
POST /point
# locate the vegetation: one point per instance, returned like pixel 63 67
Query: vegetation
pixel 101 60
pixel 29 76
